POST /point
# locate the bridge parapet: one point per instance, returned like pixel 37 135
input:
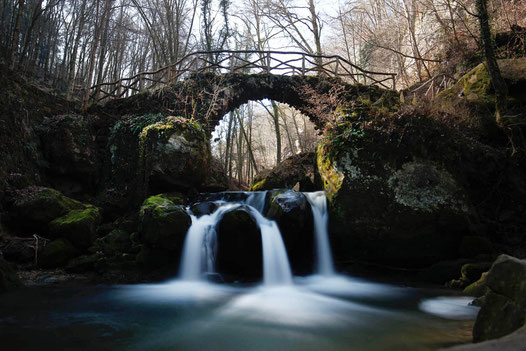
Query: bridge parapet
pixel 241 61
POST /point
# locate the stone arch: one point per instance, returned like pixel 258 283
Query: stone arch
pixel 208 97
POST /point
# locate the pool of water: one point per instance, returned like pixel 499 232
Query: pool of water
pixel 316 313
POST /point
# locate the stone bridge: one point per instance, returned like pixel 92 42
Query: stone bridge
pixel 205 86
pixel 208 97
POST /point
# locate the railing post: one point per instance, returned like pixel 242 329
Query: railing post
pixel 303 65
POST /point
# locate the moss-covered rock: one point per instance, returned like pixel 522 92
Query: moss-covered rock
pixel 35 207
pixel 163 226
pixel 473 96
pixel 470 273
pixel 78 226
pixel 503 307
pixel 175 153
pixel 57 253
pixel 388 203
pixel 478 288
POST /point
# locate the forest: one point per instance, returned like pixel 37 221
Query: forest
pixel 263 175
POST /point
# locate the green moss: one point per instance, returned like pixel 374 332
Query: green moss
pixel 37 206
pixel 330 175
pixel 163 223
pixel 79 226
pixel 157 205
pixel 478 288
pixel 258 185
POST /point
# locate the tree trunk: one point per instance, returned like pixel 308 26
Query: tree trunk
pixel 16 34
pixel 501 90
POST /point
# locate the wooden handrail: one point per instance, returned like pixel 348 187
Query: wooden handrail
pixel 241 60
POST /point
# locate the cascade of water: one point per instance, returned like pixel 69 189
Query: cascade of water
pixel 318 203
pixel 276 266
pixel 201 242
pixel 256 199
pixel 199 250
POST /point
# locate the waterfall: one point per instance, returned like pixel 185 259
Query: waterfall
pixel 257 199
pixel 276 266
pixel 318 203
pixel 200 244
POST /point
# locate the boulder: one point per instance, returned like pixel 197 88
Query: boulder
pixel 295 171
pixel 203 208
pixel 35 207
pixel 163 226
pixel 78 226
pixel 293 213
pixel 503 307
pixel 239 248
pixel 175 154
pixel 69 148
pixel 57 253
pixel 389 208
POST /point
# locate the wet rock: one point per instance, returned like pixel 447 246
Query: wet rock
pixel 239 249
pixel 57 253
pixel 78 226
pixel 203 208
pixel 503 307
pixel 293 213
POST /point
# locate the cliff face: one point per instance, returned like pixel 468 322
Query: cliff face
pixel 23 107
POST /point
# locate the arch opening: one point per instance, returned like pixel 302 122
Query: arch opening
pixel 258 135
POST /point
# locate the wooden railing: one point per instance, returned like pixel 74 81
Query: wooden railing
pixel 242 61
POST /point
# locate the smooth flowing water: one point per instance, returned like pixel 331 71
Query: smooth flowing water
pixel 326 311
pixel 324 262
pixel 199 251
